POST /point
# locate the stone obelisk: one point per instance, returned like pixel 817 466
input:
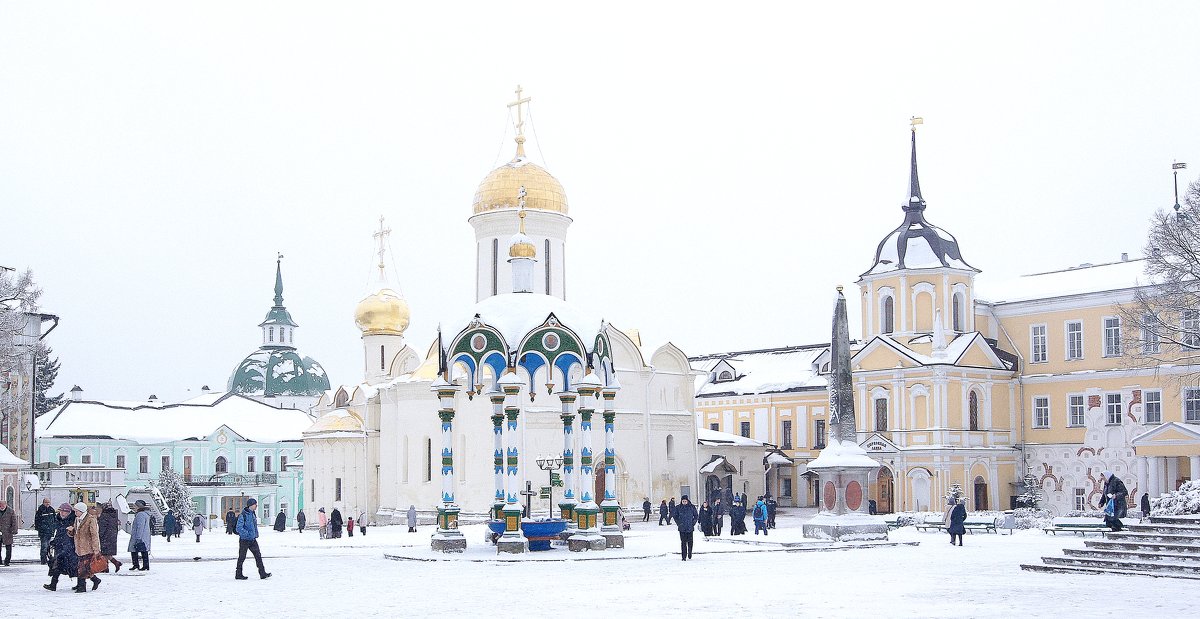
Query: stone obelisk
pixel 843 466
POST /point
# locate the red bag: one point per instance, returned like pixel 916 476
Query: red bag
pixel 99 564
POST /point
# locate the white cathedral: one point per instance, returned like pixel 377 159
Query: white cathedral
pixel 457 427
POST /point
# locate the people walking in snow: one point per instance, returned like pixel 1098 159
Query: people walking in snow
pixel 958 519
pixel 198 526
pixel 63 560
pixel 1113 500
pixel 646 510
pixel 718 517
pixel 362 522
pixel 663 511
pixel 335 523
pixel 1145 505
pixel 671 510
pixel 230 522
pixel 706 519
pixel 87 546
pixel 8 530
pixel 168 527
pixel 43 521
pixel 280 522
pixel 737 518
pixel 247 530
pixel 772 505
pixel 109 526
pixel 685 521
pixel 412 518
pixel 760 516
pixel 139 537
pixel 350 526
pixel 301 521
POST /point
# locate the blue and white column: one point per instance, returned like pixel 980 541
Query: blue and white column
pixel 448 538
pixel 569 501
pixel 588 537
pixel 513 540
pixel 611 507
pixel 499 498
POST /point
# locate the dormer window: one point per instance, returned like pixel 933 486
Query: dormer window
pixel 270 334
pixel 724 376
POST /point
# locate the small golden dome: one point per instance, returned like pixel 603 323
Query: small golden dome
pixel 384 312
pixel 520 246
pixel 499 188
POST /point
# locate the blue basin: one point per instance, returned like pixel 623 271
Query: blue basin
pixel 540 532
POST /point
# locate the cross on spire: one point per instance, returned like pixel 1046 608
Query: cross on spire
pixel 381 241
pixel 519 125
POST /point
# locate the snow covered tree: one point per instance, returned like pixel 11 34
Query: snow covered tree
pixel 18 300
pixel 955 493
pixel 1033 495
pixel 1162 323
pixel 45 372
pixel 177 495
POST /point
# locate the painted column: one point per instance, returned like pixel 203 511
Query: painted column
pixel 610 506
pixel 498 498
pixel 568 503
pixel 1143 475
pixel 513 541
pixel 588 537
pixel 448 538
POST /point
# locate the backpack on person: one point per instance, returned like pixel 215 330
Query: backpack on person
pixel 758 512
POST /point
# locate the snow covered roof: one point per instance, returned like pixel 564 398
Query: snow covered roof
pixel 7 459
pixel 1083 279
pixel 338 422
pixel 516 314
pixel 704 436
pixel 955 349
pixel 762 371
pixel 145 422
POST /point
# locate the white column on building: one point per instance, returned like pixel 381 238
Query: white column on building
pixel 1156 475
pixel 1172 472
pixel 1143 474
pixel 1194 467
pixel 569 501
pixel 498 454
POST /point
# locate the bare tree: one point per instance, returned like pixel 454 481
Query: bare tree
pixel 18 301
pixel 1163 321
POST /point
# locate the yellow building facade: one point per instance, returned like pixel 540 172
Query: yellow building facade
pixel 972 386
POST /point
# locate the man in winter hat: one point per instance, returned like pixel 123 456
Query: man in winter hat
pixel 247 530
pixel 685 521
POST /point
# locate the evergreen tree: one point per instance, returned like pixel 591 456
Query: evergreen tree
pixel 45 372
pixel 1033 494
pixel 177 495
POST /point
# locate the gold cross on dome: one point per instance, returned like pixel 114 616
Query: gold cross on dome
pixel 381 239
pixel 520 124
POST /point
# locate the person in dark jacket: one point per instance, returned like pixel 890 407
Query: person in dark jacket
pixel 737 518
pixel 958 518
pixel 247 530
pixel 685 521
pixel 760 517
pixel 1114 490
pixel 230 522
pixel 280 522
pixel 64 561
pixel 671 510
pixel 646 510
pixel 706 519
pixel 718 517
pixel 169 523
pixel 1145 505
pixel 335 523
pixel 44 521
pixel 772 505
pixel 300 521
pixel 109 526
pixel 663 510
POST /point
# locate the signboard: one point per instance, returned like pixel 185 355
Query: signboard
pixel 545 493
pixel 556 480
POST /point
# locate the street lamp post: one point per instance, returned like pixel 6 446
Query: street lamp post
pixel 550 464
pixel 1176 166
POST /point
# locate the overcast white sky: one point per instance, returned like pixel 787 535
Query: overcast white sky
pixel 727 165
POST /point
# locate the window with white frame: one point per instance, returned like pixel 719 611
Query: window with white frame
pixel 63 459
pixel 166 462
pixel 957 310
pixel 1074 340
pixel 249 464
pixel 1191 405
pixel 1112 409
pixel 881 414
pixel 888 316
pixel 1041 412
pixel 1112 336
pixel 121 461
pixel 1150 334
pixel 144 465
pixel 1081 504
pixel 1190 324
pixel 1075 409
pixel 1037 336
pixel 1152 406
pixel 266 464
pixel 270 334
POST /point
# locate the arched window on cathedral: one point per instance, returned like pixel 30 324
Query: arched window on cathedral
pixel 957 309
pixel 222 465
pixel 973 409
pixel 888 319
pixel 381 366
pixel 670 447
pixel 428 459
pixel 881 414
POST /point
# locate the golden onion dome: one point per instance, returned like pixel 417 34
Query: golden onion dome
pixel 383 312
pixel 521 246
pixel 499 188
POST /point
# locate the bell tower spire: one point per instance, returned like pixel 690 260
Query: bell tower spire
pixel 916 202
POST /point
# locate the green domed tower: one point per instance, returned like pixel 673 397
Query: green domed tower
pixel 277 369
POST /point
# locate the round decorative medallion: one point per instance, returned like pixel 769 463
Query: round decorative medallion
pixel 830 496
pixel 222 439
pixel 478 342
pixel 853 496
pixel 550 341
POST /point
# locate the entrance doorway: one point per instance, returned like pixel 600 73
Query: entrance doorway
pixel 884 503
pixel 981 494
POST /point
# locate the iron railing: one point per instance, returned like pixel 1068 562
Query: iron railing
pixel 232 479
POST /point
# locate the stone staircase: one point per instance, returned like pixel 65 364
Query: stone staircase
pixel 1166 547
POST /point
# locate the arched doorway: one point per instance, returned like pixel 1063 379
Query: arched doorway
pixel 981 494
pixel 884 503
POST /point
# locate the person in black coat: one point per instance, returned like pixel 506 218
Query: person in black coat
pixel 646 510
pixel 958 519
pixel 44 520
pixel 230 522
pixel 64 561
pixel 335 523
pixel 718 516
pixel 772 506
pixel 737 519
pixel 671 510
pixel 280 522
pixel 169 526
pixel 706 519
pixel 1114 490
pixel 109 526
pixel 1145 505
pixel 685 521
pixel 300 521
pixel 662 512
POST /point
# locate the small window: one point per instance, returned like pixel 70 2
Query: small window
pixel 428 459
pixel 1190 324
pixel 121 461
pixel 724 376
pixel 973 410
pixel 745 428
pixel 1152 408
pixel 381 358
pixel 819 434
pixel 1113 409
pixel 249 464
pixel 1081 504
pixel 270 334
pixel 1075 410
pixel 1191 405
pixel 715 427
pixel 314 488
pixel 957 309
pixel 1150 344
pixel 1041 412
pixel 144 465
pixel 1074 340
pixel 222 465
pixel 889 314
pixel 266 464
pixel 337 488
pixel 787 434
pixel 86 458
pixel 62 459
pixel 1112 336
pixel 786 486
pixel 282 464
pixel 670 447
pixel 881 414
pixel 166 463
pixel 1037 336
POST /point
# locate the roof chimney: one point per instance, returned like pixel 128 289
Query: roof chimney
pixel 76 393
pixel 1124 257
pixel 205 389
pixel 153 397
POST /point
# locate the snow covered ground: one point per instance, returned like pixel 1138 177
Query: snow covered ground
pixel 313 577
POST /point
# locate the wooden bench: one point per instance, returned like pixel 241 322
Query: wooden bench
pixel 972 524
pixel 933 523
pixel 1077 525
pixel 892 523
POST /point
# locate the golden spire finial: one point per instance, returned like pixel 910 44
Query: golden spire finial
pixel 521 206
pixel 381 242
pixel 914 121
pixel 520 122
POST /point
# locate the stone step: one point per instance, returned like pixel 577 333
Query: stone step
pixel 1073 569
pixel 1119 564
pixel 1166 538
pixel 1193 520
pixel 1132 555
pixel 1107 544
pixel 1180 529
